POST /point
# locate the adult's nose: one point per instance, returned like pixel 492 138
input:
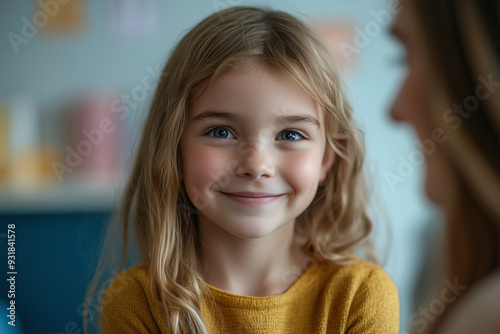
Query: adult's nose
pixel 399 105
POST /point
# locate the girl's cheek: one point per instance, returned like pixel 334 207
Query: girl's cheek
pixel 203 166
pixel 302 170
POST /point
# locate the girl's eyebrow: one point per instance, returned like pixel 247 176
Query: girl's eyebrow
pixel 308 120
pixel 217 115
pixel 227 116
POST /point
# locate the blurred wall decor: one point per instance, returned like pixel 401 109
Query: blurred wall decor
pixel 339 38
pixel 63 16
pixel 128 18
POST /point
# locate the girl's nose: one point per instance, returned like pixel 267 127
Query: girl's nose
pixel 256 164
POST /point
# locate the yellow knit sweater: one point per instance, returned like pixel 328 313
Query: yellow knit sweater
pixel 326 298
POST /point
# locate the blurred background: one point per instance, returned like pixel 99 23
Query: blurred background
pixel 76 81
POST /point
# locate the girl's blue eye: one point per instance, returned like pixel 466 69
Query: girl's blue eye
pixel 291 135
pixel 220 132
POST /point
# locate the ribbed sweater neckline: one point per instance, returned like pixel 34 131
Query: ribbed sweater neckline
pixel 224 298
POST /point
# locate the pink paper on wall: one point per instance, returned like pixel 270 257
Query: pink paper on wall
pixel 339 38
pixel 95 137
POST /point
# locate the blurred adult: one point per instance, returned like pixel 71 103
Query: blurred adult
pixel 451 97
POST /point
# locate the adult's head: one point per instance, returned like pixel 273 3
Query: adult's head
pixel 451 97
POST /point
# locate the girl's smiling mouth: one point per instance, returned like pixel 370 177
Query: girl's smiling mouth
pixel 252 199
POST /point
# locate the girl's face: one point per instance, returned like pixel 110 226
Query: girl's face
pixel 254 150
pixel 414 101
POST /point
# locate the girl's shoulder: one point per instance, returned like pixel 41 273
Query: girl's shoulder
pixel 357 282
pixel 128 305
pixel 138 272
pixel 130 279
pixel 364 291
pixel 358 272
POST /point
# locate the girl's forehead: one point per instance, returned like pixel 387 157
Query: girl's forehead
pixel 252 90
pixel 251 86
pixel 248 73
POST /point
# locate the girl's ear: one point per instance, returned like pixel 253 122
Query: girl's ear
pixel 328 159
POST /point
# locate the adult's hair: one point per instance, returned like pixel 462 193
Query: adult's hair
pixel 462 40
pixel 155 200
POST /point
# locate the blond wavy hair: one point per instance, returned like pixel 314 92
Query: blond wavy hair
pixel 155 201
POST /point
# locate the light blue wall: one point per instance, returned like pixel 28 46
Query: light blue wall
pixel 49 69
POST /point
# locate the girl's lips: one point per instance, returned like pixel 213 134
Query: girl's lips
pixel 252 199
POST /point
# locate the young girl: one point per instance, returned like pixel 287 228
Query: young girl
pixel 247 195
